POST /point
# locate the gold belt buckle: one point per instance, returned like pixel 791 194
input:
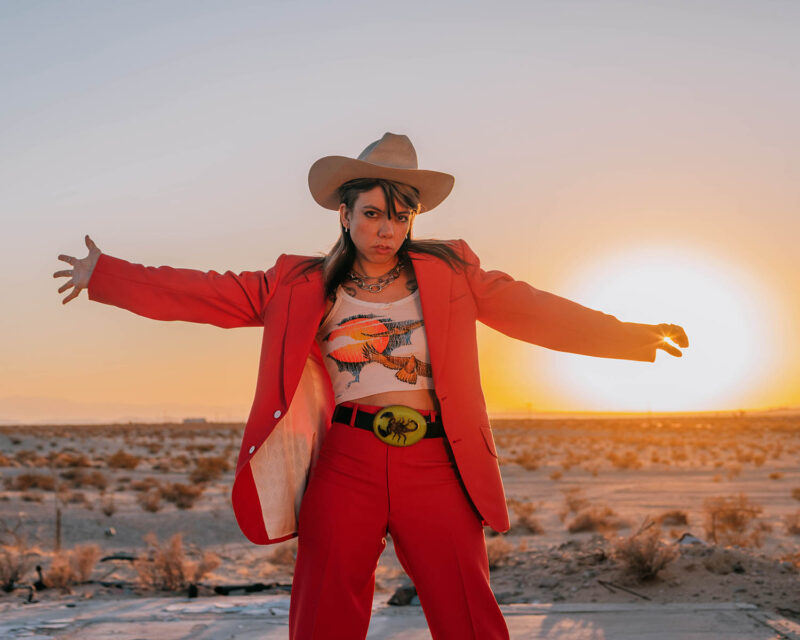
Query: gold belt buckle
pixel 399 426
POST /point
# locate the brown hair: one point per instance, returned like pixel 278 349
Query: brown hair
pixel 339 260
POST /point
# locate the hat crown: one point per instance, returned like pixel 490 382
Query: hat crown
pixel 391 150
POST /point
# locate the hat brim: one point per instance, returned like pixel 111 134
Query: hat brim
pixel 331 172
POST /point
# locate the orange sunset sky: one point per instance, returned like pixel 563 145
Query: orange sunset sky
pixel 639 158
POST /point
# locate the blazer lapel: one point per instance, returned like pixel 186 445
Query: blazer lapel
pixel 306 306
pixel 433 279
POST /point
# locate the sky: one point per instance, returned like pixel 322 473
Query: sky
pixel 637 157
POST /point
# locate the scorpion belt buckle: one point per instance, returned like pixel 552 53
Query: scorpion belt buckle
pixel 399 426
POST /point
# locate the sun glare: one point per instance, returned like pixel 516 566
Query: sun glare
pixel 721 308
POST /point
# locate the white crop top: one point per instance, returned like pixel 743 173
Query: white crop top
pixel 373 347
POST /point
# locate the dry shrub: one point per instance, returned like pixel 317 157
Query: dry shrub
pixel 556 475
pixel 595 518
pixel 150 500
pixel 574 501
pixel 82 478
pixel 796 493
pixel 209 468
pixel 526 519
pixel 15 555
pixel 733 521
pixel 25 481
pixel 69 459
pixel 72 567
pixel 723 561
pixel 528 460
pixel 285 553
pixel 498 551
pixel 182 496
pixel 628 460
pixel 145 484
pixel 167 567
pixel 108 506
pixel 123 460
pixel 775 475
pixel 643 554
pixel 792 522
pixel 675 517
pixel 32 496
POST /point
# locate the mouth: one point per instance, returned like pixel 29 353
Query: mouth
pixel 382 248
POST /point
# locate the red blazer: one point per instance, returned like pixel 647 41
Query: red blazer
pixel 294 402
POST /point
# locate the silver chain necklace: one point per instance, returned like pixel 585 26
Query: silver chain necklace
pixel 382 281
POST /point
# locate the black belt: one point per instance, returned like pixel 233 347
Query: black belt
pixel 364 420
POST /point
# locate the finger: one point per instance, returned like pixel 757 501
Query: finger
pixel 69 259
pixel 66 286
pixel 72 295
pixel 63 272
pixel 675 333
pixel 89 242
pixel 666 346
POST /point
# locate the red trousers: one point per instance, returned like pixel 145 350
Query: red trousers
pixel 362 488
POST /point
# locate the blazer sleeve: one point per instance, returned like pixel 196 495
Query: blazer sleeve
pixel 521 311
pixel 225 300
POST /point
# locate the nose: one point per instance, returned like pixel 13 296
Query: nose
pixel 386 230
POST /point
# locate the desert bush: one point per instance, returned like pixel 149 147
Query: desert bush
pixel 775 475
pixel 556 475
pixel 285 553
pixel 108 506
pixel 796 493
pixel 150 500
pixel 792 522
pixel 643 554
pixel 32 496
pixel 574 501
pixel 123 460
pixel 499 551
pixel 526 519
pixel 68 459
pixel 82 478
pixel 595 518
pixel 732 520
pixel 209 468
pixel 528 460
pixel 182 496
pixel 145 484
pixel 72 567
pixel 675 517
pixel 5 461
pixel 15 555
pixel 167 567
pixel 628 460
pixel 26 481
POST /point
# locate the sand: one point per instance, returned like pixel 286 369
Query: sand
pixel 637 468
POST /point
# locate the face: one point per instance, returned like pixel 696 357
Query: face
pixel 376 236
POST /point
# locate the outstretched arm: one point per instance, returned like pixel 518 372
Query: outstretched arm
pixel 165 293
pixel 524 312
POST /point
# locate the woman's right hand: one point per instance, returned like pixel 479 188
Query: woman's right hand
pixel 81 271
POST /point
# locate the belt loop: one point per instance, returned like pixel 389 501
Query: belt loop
pixel 353 415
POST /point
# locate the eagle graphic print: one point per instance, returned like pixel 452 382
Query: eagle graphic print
pixel 365 338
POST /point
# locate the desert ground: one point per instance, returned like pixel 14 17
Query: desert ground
pixel 638 509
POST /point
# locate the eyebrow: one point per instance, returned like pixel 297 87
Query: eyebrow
pixel 377 208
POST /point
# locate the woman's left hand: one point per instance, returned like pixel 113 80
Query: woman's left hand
pixel 675 333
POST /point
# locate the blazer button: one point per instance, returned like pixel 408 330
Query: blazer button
pixel 277 414
pixel 251 449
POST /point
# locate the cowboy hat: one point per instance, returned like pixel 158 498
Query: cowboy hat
pixel 392 158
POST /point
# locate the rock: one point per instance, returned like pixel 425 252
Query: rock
pixel 111 532
pixel 723 562
pixel 688 538
pixel 403 596
pixel 549 582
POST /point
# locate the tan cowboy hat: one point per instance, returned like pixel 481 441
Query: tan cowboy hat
pixel 391 158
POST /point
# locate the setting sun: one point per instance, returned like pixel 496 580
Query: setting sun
pixel 722 308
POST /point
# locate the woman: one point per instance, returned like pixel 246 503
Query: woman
pixel 368 416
